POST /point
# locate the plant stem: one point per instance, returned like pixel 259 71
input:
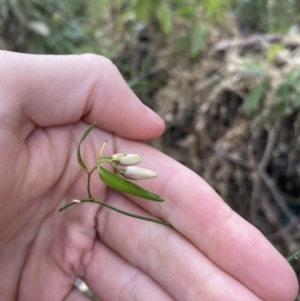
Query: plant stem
pixel 293 256
pixel 89 182
pixel 129 214
pixel 117 210
pixel 67 206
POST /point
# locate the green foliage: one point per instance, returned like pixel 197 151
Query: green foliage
pixel 273 50
pixel 79 157
pixel 197 40
pixel 42 26
pixel 282 15
pixel 266 15
pixel 252 69
pixel 252 15
pixel 163 12
pixel 193 41
pixel 288 94
pixel 120 184
pixel 145 10
pixel 215 9
pixel 253 99
pixel 113 28
pixel 186 10
pixel 72 26
pixel 165 17
pixel 155 9
pixel 191 14
pixel 115 182
pixel 255 96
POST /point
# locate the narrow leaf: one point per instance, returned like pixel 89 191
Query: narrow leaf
pixel 288 94
pixel 252 69
pixel 254 98
pixel 186 11
pixel 86 132
pixel 144 10
pixel 164 15
pixel 198 38
pixel 273 51
pixel 120 184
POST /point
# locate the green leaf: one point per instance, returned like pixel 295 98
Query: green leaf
pixel 254 97
pixel 272 51
pixel 252 69
pixel 288 94
pixel 120 184
pixel 198 37
pixel 216 8
pixel 186 11
pixel 164 15
pixel 144 10
pixel 86 132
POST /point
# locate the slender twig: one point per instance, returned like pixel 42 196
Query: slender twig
pixel 271 143
pixel 224 154
pixel 268 181
pixel 276 194
pixel 281 232
pixel 260 169
pixel 132 83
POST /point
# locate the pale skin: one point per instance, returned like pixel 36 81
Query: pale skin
pixel 211 254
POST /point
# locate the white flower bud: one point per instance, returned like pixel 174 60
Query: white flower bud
pixel 130 159
pixel 40 28
pixel 117 156
pixel 138 173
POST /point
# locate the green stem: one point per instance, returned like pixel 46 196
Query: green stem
pixel 293 256
pixel 130 214
pixel 117 210
pixel 89 182
pixel 67 206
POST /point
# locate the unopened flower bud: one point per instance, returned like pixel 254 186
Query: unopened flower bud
pixel 130 159
pixel 117 156
pixel 138 173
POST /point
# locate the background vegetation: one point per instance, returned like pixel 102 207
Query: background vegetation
pixel 224 75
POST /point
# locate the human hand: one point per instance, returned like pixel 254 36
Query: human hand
pixel 211 253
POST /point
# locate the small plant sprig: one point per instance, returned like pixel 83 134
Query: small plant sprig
pixel 123 164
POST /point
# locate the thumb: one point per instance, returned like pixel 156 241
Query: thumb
pixel 56 90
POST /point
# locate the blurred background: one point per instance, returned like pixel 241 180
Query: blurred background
pixel 224 75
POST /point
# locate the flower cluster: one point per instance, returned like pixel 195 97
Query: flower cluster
pixel 131 172
pixel 124 166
